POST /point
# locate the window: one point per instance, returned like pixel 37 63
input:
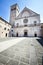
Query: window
pixel 5 28
pixel 13 9
pixel 8 29
pixel 25 20
pixel 2 32
pixel 12 30
pixel 35 22
pixel 25 25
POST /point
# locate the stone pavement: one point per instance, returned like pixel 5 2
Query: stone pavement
pixel 26 52
pixel 8 42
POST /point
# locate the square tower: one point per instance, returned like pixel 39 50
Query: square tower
pixel 14 11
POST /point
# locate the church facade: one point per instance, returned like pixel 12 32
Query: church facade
pixel 25 23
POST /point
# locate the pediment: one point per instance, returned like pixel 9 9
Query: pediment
pixel 26 12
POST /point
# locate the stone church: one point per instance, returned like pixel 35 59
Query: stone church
pixel 25 23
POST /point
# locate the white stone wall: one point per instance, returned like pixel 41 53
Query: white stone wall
pixel 25 14
pixel 30 30
pixel 30 21
pixel 2 31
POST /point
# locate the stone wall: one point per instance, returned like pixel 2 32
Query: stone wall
pixel 4 28
pixel 41 30
pixel 31 31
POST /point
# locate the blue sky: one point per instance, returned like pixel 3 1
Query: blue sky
pixel 35 5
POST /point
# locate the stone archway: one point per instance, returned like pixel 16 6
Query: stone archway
pixel 35 35
pixel 25 33
pixel 6 34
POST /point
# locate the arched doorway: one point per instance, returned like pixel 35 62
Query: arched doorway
pixel 25 33
pixel 17 34
pixel 6 35
pixel 35 35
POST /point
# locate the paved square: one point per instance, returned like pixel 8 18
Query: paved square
pixel 26 52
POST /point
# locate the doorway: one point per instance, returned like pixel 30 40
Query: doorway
pixel 35 35
pixel 25 33
pixel 6 35
pixel 17 34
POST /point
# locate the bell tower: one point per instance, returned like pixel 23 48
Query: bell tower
pixel 14 11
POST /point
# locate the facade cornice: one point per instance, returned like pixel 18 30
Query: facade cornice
pixel 26 17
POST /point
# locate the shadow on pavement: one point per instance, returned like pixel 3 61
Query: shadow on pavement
pixel 40 40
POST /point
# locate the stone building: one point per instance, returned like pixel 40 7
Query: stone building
pixel 41 25
pixel 4 28
pixel 24 23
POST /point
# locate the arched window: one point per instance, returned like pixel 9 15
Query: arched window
pixel 12 30
pixel 25 20
pixel 5 28
pixel 8 29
